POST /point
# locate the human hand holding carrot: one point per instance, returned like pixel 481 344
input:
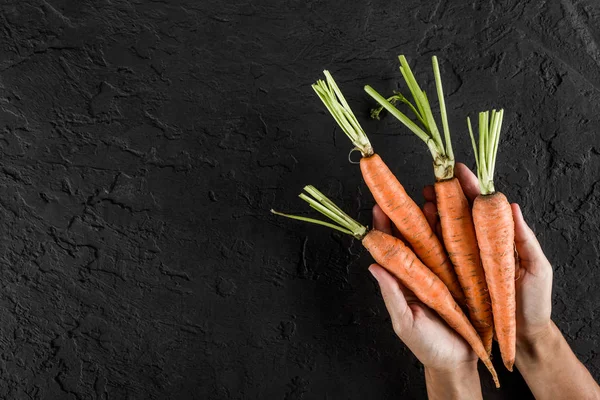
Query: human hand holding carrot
pixel 544 358
pixel 396 257
pixel 422 291
pixel 450 363
pixel 533 285
pixel 534 275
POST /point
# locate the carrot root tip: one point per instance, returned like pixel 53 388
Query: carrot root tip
pixel 488 363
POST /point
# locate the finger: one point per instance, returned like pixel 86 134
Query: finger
pixel 518 269
pixel 394 299
pixel 468 181
pixel 429 193
pixel 381 222
pixel 409 296
pixel 430 211
pixel 531 255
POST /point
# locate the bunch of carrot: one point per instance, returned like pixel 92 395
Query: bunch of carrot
pixel 474 267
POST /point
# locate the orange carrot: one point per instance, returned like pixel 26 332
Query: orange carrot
pixel 454 211
pixel 495 230
pixel 392 254
pixel 410 220
pixel 461 241
pixel 388 192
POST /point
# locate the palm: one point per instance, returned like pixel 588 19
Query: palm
pixel 438 346
pixel 433 342
pixel 533 290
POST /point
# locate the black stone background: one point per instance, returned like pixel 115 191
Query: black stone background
pixel 142 144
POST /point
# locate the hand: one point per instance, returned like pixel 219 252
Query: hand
pixel 534 273
pixel 544 358
pixel 436 345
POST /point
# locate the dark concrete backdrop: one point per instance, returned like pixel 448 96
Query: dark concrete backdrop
pixel 142 144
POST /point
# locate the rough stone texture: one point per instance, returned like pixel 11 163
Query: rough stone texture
pixel 142 144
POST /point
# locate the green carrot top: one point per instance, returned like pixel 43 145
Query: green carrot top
pixel 487 149
pixel 425 127
pixel 322 204
pixel 331 95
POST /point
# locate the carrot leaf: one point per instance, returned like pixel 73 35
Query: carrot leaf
pixel 393 100
pixel 440 93
pixel 331 95
pixel 399 115
pixel 312 221
pixel 473 142
pixel 443 155
pixel 487 149
pixel 320 202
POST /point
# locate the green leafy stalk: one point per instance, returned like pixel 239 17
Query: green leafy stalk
pixel 443 155
pixel 416 129
pixel 421 100
pixel 487 149
pixel 322 204
pixel 393 100
pixel 331 95
pixel 440 93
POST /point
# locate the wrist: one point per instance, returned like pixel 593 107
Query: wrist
pixel 551 369
pixel 538 344
pixel 460 381
pixel 455 370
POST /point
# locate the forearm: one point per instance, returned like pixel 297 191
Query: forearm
pixel 462 382
pixel 551 369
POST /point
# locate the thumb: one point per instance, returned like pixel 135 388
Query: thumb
pixel 395 301
pixel 530 252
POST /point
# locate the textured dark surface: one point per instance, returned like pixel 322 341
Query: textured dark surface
pixel 142 144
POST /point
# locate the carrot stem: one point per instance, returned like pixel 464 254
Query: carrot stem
pixel 473 142
pixel 393 100
pixel 497 127
pixel 440 93
pixel 312 221
pixel 421 100
pixel 486 150
pixel 443 155
pixel 323 205
pixel 403 118
pixel 331 95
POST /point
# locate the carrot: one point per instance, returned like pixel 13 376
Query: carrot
pixel 388 192
pixel 495 230
pixel 458 231
pixel 460 239
pixel 392 254
pixel 410 221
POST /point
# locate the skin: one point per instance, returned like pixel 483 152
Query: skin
pixel 548 365
pixel 403 264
